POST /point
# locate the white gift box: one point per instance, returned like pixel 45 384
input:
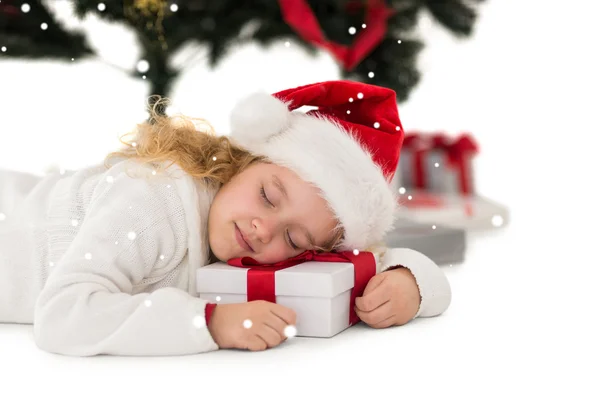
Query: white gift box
pixel 319 292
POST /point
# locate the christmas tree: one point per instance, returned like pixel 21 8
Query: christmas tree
pixel 372 40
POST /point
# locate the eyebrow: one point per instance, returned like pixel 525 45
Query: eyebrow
pixel 279 185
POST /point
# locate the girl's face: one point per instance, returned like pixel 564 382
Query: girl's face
pixel 274 210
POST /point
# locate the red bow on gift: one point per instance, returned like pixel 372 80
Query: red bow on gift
pixel 455 150
pixel 261 277
pixel 298 15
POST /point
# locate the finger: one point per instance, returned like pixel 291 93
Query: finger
pixel 374 299
pixel 269 335
pixel 278 325
pixel 373 283
pixel 256 343
pixel 378 315
pixel 386 323
pixel 287 315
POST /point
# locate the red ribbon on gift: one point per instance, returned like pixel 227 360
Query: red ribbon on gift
pixel 419 146
pixel 299 16
pixel 261 277
pixel 458 157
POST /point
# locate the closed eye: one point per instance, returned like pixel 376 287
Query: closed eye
pixel 268 203
pixel 264 196
pixel 292 243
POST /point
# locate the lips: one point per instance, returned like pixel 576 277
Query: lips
pixel 239 237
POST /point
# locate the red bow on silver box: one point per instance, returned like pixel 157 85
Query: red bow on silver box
pixel 456 151
pixel 261 277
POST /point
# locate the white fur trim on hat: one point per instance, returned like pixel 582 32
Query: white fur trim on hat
pixel 322 153
pixel 258 117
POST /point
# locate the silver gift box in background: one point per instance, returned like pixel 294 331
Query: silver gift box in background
pixel 435 179
pixel 444 245
pixel 437 163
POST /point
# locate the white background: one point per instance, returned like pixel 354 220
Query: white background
pixel 524 316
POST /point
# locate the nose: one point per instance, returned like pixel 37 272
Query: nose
pixel 264 228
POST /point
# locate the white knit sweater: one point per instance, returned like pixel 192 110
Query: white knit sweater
pixel 104 261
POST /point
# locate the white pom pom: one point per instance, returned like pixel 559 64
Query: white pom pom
pixel 258 117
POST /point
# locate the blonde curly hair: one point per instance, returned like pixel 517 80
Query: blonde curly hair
pixel 192 144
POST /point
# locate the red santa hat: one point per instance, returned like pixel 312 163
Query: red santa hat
pixel 348 147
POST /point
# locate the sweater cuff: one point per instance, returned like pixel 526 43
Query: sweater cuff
pixel 433 285
pixel 210 307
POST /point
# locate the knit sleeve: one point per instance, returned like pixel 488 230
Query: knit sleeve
pixel 431 280
pixel 89 305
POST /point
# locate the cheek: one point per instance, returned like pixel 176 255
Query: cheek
pixel 241 202
pixel 276 252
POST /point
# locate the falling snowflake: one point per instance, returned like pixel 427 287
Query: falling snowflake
pixel 143 66
pixel 497 220
pixel 199 321
pixel 247 324
pixel 290 331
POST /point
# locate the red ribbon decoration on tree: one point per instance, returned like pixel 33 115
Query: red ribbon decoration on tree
pixel 261 277
pixel 298 15
pixel 9 9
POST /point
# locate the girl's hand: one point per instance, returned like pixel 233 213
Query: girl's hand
pixel 255 325
pixel 390 298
